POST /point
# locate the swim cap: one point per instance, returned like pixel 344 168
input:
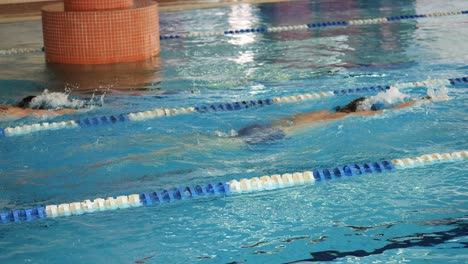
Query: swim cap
pixel 353 106
pixel 378 106
pixel 26 102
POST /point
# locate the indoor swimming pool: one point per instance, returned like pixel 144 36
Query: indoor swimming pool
pixel 217 107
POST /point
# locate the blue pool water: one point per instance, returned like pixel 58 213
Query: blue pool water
pixel 416 215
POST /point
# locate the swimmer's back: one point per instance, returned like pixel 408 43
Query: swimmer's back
pixel 260 134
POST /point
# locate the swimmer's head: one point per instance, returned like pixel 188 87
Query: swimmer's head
pixel 26 102
pixel 351 107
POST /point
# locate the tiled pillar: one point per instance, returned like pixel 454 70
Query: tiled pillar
pixel 108 31
pixel 93 5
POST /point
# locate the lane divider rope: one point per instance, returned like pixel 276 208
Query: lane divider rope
pixel 18 51
pixel 261 30
pixel 164 112
pixel 254 184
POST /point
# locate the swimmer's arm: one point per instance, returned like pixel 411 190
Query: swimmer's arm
pixel 405 104
pixel 14 111
pixel 64 111
pixel 370 113
pixel 41 112
pixel 367 113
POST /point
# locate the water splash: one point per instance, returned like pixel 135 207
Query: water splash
pixel 438 92
pixel 55 100
pixel 231 133
pixel 388 98
pixel 59 100
pixel 98 100
pixel 393 96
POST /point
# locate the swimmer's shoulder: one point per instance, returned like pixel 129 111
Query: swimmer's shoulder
pixel 14 111
pixel 9 113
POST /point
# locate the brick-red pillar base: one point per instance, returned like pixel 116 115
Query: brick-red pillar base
pixel 93 5
pixel 100 37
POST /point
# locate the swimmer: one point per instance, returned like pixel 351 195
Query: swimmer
pixel 24 108
pixel 264 133
pixel 355 107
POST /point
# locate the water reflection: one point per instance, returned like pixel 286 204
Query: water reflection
pixel 129 76
pixel 340 47
pixel 238 59
pixel 241 17
pixel 445 43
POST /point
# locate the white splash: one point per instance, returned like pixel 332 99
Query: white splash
pixel 438 92
pixel 388 98
pixel 59 100
pixel 393 96
pixel 97 100
pixel 231 133
pixel 55 100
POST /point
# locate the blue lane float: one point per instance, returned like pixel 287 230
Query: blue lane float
pixel 255 184
pixel 233 106
pixel 328 24
pixel 102 120
pixel 222 107
pixel 23 215
pixel 458 80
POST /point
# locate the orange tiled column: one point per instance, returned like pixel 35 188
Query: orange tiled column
pixel 93 5
pixel 100 31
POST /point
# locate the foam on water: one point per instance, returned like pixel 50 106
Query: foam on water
pixel 58 100
pixel 438 92
pixel 388 98
pixel 393 96
pixel 231 133
pixel 55 100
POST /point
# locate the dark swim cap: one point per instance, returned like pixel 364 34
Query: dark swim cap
pixel 25 102
pixel 260 134
pixel 351 107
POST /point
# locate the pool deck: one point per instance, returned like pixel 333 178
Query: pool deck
pixel 12 11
